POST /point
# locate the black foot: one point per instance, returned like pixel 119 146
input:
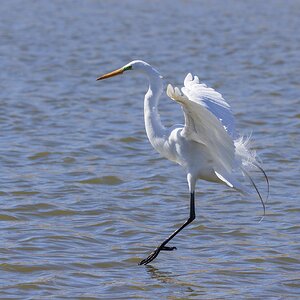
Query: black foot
pixel 154 254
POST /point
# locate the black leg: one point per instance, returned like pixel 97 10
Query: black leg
pixel 163 246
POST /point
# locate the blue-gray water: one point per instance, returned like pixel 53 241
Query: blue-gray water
pixel 84 197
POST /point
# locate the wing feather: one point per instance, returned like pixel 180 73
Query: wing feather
pixel 211 100
pixel 209 121
pixel 201 124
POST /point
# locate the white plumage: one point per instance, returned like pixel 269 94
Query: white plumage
pixel 209 121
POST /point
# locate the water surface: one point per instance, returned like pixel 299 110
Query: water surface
pixel 83 195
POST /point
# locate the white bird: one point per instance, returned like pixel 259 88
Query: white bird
pixel 206 146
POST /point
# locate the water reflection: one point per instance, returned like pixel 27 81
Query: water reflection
pixel 161 276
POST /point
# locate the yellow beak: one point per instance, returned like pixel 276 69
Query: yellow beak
pixel 111 74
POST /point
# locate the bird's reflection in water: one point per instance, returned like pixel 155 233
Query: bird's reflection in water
pixel 167 277
pixel 162 276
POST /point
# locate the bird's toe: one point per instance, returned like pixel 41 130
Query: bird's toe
pixel 151 257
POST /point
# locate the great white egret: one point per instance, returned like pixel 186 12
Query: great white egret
pixel 207 146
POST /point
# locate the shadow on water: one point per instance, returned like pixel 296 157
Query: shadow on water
pixel 174 280
pixel 161 276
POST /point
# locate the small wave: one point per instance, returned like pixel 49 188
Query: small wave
pixel 108 180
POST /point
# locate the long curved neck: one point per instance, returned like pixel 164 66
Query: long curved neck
pixel 154 129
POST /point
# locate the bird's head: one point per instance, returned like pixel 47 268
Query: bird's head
pixel 137 65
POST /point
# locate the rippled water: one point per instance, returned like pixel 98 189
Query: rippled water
pixel 83 195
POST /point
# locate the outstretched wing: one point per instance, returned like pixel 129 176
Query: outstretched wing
pixel 211 100
pixel 208 121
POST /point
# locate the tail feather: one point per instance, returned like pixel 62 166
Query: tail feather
pixel 248 160
pixel 266 178
pixel 244 155
pixel 257 191
pixel 232 182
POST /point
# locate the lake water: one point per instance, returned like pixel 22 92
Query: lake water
pixel 83 195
